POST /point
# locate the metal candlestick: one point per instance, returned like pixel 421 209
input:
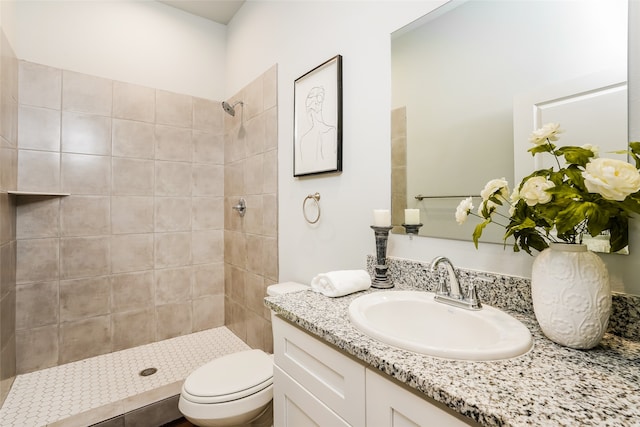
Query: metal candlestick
pixel 381 281
pixel 412 229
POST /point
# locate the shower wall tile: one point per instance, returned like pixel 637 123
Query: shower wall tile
pixel 172 249
pixel 173 285
pixel 173 320
pixel 234 179
pixel 131 291
pixel 86 133
pixel 85 338
pixel 133 139
pixel 84 257
pixel 270 162
pixel 208 279
pixel 131 252
pixel 38 171
pixel 86 94
pixel 208 312
pixel 37 260
pixel 207 180
pixel 172 179
pixel 270 88
pixel 173 143
pixel 82 298
pixel 255 136
pixel 37 217
pixel 132 177
pixel 253 99
pixel 36 305
pixel 207 115
pixel 270 215
pixel 40 85
pixel 271 129
pixel 253 218
pixel 133 102
pixel 254 174
pixel 36 348
pixel 174 109
pixel 132 214
pixel 207 213
pixel 38 128
pixel 133 328
pixel 173 213
pixel 86 174
pixel 208 147
pixel 207 246
pixel 85 216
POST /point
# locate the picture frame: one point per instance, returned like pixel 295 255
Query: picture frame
pixel 317 118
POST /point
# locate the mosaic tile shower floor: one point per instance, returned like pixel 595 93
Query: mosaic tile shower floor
pixel 91 390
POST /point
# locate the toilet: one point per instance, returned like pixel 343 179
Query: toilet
pixel 233 390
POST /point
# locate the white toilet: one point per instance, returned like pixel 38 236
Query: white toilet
pixel 233 390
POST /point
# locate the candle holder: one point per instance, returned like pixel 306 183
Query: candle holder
pixel 412 229
pixel 381 280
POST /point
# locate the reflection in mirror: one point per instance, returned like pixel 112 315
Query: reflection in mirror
pixel 456 74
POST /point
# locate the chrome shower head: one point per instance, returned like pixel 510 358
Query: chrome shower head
pixel 230 109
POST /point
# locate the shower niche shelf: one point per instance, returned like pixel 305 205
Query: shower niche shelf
pixel 38 193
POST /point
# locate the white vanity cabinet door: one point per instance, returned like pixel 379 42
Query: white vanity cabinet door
pixel 390 405
pixel 293 406
pixel 332 377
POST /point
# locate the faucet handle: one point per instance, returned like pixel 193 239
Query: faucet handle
pixel 472 296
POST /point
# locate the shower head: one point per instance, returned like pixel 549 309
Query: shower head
pixel 230 109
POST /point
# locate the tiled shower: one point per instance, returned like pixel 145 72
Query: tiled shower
pixel 146 246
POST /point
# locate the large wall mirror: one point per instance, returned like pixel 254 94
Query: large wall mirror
pixel 456 74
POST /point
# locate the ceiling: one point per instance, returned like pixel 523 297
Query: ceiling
pixel 220 11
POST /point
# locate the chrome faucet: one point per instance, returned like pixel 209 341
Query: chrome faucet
pixel 452 295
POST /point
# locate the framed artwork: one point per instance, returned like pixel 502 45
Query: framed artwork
pixel 317 120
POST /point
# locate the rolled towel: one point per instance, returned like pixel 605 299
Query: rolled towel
pixel 340 283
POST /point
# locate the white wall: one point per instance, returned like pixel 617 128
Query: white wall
pixel 300 35
pixel 141 42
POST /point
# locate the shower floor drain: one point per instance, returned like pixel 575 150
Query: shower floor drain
pixel 148 371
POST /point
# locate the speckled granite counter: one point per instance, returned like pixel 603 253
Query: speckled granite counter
pixel 549 386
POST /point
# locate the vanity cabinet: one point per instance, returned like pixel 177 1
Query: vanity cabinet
pixel 317 385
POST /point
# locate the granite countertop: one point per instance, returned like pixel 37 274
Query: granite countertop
pixel 549 386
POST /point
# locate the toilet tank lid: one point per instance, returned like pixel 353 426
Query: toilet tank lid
pixel 285 288
pixel 230 374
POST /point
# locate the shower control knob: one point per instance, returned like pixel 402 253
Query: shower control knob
pixel 241 207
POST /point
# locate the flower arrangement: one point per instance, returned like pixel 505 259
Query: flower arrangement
pixel 586 195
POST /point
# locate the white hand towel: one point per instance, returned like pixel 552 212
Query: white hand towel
pixel 340 283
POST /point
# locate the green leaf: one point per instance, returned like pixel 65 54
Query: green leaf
pixel 575 155
pixel 477 232
pixel 543 148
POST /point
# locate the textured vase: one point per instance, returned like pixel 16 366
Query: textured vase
pixel 571 295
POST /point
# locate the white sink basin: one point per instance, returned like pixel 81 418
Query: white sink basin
pixel 413 321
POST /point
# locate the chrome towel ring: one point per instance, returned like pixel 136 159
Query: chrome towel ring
pixel 316 200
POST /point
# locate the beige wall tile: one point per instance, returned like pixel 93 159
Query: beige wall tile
pixel 235 318
pixel 207 115
pixel 270 184
pixel 84 257
pixel 37 217
pixel 86 94
pixel 172 249
pixel 36 305
pixel 85 216
pixel 172 213
pixel 40 85
pixel 86 133
pixel 256 326
pixel 133 139
pixel 86 174
pixel 173 109
pixel 208 312
pixel 173 143
pixel 173 320
pixel 133 328
pixel 38 128
pixel 255 253
pixel 207 246
pixel 235 144
pixel 235 248
pixel 208 279
pixel 208 180
pixel 7 218
pixel 235 283
pixel 173 285
pixel 270 215
pixel 132 291
pixel 254 179
pixel 37 260
pixel 271 129
pixel 207 213
pixel 37 348
pixel 234 179
pixel 253 98
pixel 7 317
pixel 255 135
pixel 8 168
pixel 131 252
pixel 8 268
pixel 173 179
pixel 82 298
pixel 85 338
pixel 270 88
pixel 253 217
pixel 133 102
pixel 132 214
pixel 208 147
pixel 38 171
pixel 254 292
pixel 132 177
pixel 270 258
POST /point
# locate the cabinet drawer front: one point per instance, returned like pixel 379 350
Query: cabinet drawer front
pixel 332 377
pixel 293 406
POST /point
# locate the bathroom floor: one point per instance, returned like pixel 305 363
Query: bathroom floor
pixel 179 423
pixel 95 389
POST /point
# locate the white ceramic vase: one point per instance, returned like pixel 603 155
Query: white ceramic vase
pixel 571 295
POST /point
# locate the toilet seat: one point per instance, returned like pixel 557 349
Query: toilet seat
pixel 229 378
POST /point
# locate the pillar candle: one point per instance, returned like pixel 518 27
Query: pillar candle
pixel 381 217
pixel 412 216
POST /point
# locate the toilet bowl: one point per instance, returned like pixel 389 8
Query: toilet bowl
pixel 233 390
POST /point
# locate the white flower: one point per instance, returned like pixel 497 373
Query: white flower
pixel 611 178
pixel 533 190
pixel 498 187
pixel 513 199
pixel 548 131
pixel 491 206
pixel 593 148
pixel 463 209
